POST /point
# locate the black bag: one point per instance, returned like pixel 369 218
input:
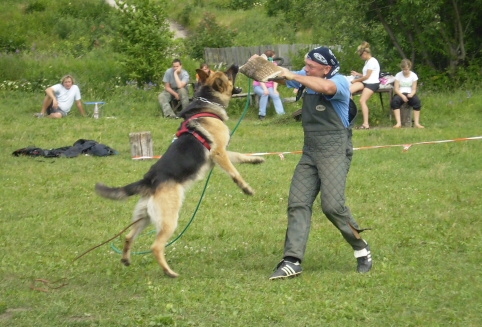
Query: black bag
pixel 29 151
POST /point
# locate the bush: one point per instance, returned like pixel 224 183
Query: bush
pixel 209 34
pixel 144 39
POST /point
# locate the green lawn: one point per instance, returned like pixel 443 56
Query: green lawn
pixel 423 205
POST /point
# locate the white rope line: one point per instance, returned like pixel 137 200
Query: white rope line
pixel 405 147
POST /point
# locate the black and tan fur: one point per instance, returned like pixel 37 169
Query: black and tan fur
pixel 185 161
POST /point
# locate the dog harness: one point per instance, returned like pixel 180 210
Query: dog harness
pixel 183 129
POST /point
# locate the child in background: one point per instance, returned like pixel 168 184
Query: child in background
pixel 405 89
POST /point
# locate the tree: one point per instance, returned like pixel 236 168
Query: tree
pixel 442 34
pixel 144 38
pixel 209 34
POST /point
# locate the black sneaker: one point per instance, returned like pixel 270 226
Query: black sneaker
pixel 364 260
pixel 286 269
pixel 261 117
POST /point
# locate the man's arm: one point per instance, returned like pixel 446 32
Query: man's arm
pixel 317 84
pixel 50 93
pixel 167 87
pixel 180 84
pixel 78 103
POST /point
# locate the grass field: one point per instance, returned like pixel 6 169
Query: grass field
pixel 424 207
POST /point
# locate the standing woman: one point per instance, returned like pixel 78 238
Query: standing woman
pixel 367 82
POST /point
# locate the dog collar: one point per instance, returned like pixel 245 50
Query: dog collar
pixel 210 102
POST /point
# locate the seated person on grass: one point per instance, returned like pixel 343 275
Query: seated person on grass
pixel 59 99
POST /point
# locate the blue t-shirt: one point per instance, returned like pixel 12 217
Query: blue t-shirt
pixel 340 100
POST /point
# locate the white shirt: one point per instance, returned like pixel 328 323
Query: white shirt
pixel 65 98
pixel 373 65
pixel 406 82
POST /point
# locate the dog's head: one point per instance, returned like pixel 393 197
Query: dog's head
pixel 221 83
pixel 214 94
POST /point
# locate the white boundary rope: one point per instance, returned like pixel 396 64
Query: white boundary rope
pixel 405 147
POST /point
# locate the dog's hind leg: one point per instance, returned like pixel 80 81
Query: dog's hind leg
pixel 165 204
pixel 140 212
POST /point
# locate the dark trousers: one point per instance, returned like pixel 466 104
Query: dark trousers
pixel 322 169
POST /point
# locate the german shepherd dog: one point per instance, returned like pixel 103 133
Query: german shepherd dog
pixel 201 143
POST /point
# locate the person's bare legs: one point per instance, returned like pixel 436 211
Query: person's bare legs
pixel 416 119
pixel 46 103
pixel 396 114
pixel 366 94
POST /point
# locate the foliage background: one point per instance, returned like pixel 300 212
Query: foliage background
pixel 41 40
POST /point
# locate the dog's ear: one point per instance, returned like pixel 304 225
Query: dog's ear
pixel 231 72
pixel 219 84
pixel 202 75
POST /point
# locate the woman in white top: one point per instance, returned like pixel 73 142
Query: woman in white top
pixel 405 87
pixel 367 82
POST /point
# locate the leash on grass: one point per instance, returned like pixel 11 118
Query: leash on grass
pixel 63 279
pixel 117 250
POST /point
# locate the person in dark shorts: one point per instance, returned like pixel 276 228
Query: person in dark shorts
pixel 367 82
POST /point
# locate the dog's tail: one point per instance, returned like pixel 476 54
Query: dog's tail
pixel 120 193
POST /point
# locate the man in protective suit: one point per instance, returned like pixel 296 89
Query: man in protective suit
pixel 324 164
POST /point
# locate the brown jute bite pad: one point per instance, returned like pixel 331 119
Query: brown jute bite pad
pixel 260 69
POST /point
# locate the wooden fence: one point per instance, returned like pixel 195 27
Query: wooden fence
pixel 239 55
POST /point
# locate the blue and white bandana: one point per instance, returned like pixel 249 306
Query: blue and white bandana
pixel 324 56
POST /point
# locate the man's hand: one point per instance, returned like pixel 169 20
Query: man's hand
pixel 178 70
pixel 286 73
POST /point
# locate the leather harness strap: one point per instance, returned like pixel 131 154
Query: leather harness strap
pixel 183 129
